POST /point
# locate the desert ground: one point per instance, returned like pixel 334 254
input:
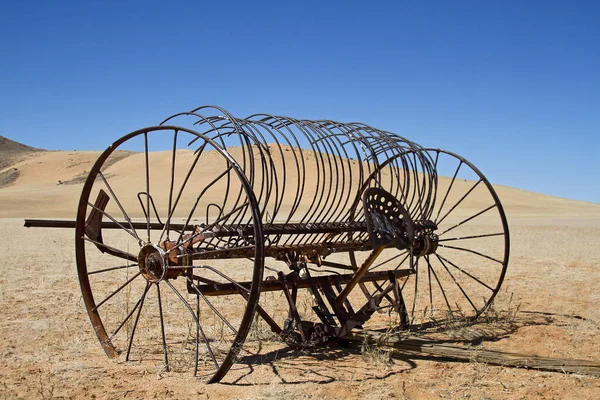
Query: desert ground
pixel 549 305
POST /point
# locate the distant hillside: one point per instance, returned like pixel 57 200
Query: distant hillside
pixel 12 152
pixel 10 147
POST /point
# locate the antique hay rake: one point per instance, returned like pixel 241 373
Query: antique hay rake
pixel 215 232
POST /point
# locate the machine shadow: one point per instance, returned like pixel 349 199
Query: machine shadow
pixel 353 362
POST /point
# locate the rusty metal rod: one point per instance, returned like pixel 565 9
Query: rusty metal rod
pixel 273 285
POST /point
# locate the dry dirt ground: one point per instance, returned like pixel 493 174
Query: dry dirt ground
pixel 549 305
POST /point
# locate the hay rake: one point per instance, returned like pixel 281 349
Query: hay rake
pixel 237 229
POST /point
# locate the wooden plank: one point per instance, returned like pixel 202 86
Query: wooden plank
pixel 466 353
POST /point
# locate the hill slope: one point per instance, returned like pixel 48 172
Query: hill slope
pixel 48 183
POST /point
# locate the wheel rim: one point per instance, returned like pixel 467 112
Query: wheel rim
pixel 142 299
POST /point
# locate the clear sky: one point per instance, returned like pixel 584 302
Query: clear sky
pixel 513 86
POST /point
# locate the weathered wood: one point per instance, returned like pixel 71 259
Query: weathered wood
pixel 466 353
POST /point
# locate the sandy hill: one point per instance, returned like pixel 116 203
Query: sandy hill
pixel 47 184
pixel 11 151
pixel 8 146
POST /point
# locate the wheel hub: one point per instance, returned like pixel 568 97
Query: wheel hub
pixel 153 263
pixel 426 244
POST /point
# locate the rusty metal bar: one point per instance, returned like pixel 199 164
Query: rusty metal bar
pixel 273 285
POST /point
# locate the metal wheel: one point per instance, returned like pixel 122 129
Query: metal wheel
pixel 457 266
pixel 144 231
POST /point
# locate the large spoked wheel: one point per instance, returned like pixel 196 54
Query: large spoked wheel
pixel 457 267
pixel 147 249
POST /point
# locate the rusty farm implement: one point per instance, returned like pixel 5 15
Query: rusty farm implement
pixel 197 236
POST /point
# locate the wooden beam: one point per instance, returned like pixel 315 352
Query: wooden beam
pixel 467 353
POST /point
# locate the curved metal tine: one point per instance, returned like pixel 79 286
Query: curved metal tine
pixel 210 305
pixel 218 137
pixel 114 196
pixel 132 233
pixel 208 228
pixel 345 132
pixel 448 191
pixel 116 291
pixel 466 273
pixel 470 251
pixel 139 302
pixel 162 326
pixel 270 180
pixel 198 153
pixel 355 213
pixel 197 320
pixel 460 201
pixel 339 154
pixel 137 318
pixel 299 164
pixel 112 269
pixel 147 184
pixel 246 141
pixel 113 251
pixel 430 268
pixel 319 187
pixel 333 156
pixel 326 212
pixel 281 125
pixel 149 198
pixel 226 127
pixel 468 219
pixel 191 213
pixel 457 284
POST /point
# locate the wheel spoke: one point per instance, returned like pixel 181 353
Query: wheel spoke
pixel 412 312
pixel 458 284
pixel 147 185
pixel 132 233
pixel 139 302
pixel 430 291
pixel 390 259
pixel 116 199
pixel 209 304
pixel 185 181
pixel 137 318
pixel 466 273
pixel 449 188
pixel 468 219
pixel 237 285
pixel 162 326
pixel 470 251
pixel 430 267
pixel 197 338
pixel 472 237
pixel 166 227
pixel 112 251
pixel 112 269
pixel 459 201
pixel 187 305
pixel 116 291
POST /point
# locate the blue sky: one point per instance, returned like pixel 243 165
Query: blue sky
pixel 514 86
